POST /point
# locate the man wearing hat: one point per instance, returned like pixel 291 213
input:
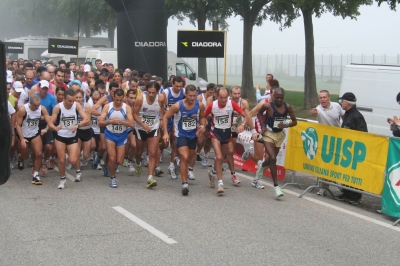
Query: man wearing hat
pixel 353 120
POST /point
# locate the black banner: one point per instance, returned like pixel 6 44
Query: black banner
pixel 14 47
pixel 201 44
pixel 63 46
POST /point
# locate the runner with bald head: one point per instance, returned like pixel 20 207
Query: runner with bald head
pixel 221 134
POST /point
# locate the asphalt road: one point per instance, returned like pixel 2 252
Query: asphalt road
pixel 89 223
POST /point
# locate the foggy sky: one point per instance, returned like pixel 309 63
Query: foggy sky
pixel 376 31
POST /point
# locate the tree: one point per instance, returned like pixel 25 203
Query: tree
pixel 253 12
pixel 392 3
pixel 198 11
pixel 284 12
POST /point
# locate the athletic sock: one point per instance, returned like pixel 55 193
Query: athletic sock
pixel 150 176
pixel 190 168
pixel 63 179
pixel 213 172
pixel 220 183
pixel 112 177
pixel 232 173
pixel 36 174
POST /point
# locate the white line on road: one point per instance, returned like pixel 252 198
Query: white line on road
pixel 366 218
pixel 145 225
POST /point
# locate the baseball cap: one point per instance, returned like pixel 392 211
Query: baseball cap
pixel 9 76
pixel 86 68
pixel 76 81
pixel 44 84
pixel 18 87
pixel 202 85
pixel 348 96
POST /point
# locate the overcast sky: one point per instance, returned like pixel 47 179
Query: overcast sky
pixel 376 31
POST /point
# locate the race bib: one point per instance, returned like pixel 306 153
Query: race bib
pixel 118 128
pixel 148 119
pixel 279 120
pixel 68 122
pixel 189 123
pixel 94 121
pixel 33 122
pixel 222 120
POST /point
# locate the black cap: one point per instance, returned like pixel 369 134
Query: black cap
pixel 348 96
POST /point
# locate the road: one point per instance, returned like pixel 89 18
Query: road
pixel 89 223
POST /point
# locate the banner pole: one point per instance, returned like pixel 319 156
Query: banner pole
pixel 226 43
pixel 79 24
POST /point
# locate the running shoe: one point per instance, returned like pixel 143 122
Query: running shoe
pixel 225 167
pixel 246 154
pixel 99 167
pixel 191 176
pixel 212 178
pixel 62 184
pixel 125 163
pixel 138 170
pixel 84 162
pixel 92 156
pixel 20 164
pixel 158 171
pixel 117 169
pixel 260 172
pixel 321 192
pixel 355 201
pixel 129 164
pixel 113 183
pixel 106 171
pixel 78 177
pixel 95 162
pixel 199 159
pixel 131 169
pixel 101 162
pixel 44 168
pixel 171 170
pixel 220 189
pixel 278 192
pixel 68 166
pixel 185 189
pixel 204 161
pixel 235 180
pixel 161 158
pixel 52 164
pixel 257 184
pixel 146 161
pixel 177 163
pixel 151 183
pixel 36 180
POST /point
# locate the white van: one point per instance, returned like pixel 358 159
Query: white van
pixel 176 66
pixel 108 55
pixel 376 88
pixel 67 57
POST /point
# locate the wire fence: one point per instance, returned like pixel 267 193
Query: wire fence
pixel 327 66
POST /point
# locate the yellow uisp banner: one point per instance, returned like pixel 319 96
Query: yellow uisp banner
pixel 345 156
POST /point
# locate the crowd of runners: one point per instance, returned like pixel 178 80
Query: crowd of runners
pixel 101 118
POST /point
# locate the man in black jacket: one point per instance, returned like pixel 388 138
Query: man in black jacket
pixel 353 120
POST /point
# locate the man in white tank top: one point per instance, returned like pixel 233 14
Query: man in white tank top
pixel 28 133
pixel 221 111
pixel 117 118
pixel 148 110
pixel 65 114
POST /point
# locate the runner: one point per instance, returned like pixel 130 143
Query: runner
pixel 28 133
pixel 84 134
pixel 272 135
pixel 116 117
pixel 65 114
pixel 130 150
pixel 148 110
pixel 173 95
pixel 94 124
pixel 222 111
pixel 187 113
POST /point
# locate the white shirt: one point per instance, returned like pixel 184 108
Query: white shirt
pixel 330 116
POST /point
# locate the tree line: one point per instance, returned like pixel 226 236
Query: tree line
pixel 60 18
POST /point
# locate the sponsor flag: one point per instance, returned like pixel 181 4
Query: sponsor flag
pixel 63 46
pixel 391 187
pixel 201 44
pixel 14 47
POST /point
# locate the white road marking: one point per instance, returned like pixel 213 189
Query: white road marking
pixel 145 225
pixel 366 218
pixel 70 177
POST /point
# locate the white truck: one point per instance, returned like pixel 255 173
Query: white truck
pixel 81 58
pixel 176 66
pixel 376 88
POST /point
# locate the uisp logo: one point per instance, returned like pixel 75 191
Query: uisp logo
pixel 310 142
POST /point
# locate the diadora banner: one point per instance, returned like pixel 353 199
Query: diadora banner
pixel 201 44
pixel 63 46
pixel 353 158
pixel 391 189
pixel 14 47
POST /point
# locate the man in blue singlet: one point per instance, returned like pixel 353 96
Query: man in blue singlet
pixel 272 134
pixel 186 116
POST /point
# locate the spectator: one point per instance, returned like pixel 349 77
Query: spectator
pixel 352 120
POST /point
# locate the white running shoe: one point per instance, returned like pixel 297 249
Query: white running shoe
pixel 321 192
pixel 99 167
pixel 278 192
pixel 191 176
pixel 62 184
pixel 84 162
pixel 171 170
pixel 204 161
pixel 78 177
pixel 131 169
pixel 117 169
pixel 68 166
pixel 246 154
pixel 257 184
pixel 101 162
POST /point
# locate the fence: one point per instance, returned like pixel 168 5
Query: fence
pixel 327 66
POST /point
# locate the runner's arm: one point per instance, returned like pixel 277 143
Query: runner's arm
pixel 136 109
pixel 97 105
pixel 171 112
pixel 129 117
pixel 20 117
pixel 53 119
pixel 102 116
pixel 82 113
